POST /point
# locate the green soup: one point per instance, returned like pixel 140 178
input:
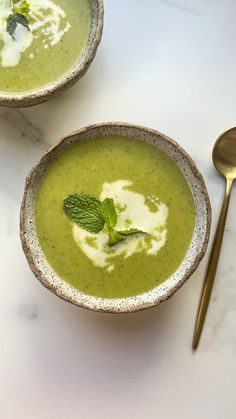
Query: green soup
pixel 145 184
pixel 58 34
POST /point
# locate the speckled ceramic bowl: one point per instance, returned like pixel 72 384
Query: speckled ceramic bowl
pixel 77 71
pixel 196 250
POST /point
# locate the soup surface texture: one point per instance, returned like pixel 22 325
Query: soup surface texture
pixel 34 57
pixel 150 193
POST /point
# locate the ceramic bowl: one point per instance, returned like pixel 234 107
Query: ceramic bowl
pixel 77 71
pixel 197 247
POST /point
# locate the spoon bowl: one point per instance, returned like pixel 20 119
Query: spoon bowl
pixel 224 154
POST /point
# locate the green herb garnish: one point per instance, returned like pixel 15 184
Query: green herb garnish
pixel 114 237
pixel 108 212
pixel 84 210
pixel 93 215
pixel 19 15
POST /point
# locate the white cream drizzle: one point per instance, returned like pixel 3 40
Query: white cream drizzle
pixel 135 213
pixel 52 25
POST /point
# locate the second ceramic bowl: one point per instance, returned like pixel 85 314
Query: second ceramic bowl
pixel 73 75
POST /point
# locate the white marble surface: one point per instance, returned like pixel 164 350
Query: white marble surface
pixel 170 65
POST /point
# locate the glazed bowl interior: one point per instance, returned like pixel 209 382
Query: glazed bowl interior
pixel 197 247
pixel 42 94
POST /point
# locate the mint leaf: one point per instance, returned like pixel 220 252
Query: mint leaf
pixel 114 237
pixel 108 212
pixel 19 15
pixel 11 24
pixel 23 8
pixel 131 231
pixel 22 20
pixel 84 210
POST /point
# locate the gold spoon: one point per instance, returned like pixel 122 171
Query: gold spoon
pixel 224 159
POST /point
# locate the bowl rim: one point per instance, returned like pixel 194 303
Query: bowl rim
pixel 42 94
pixel 88 301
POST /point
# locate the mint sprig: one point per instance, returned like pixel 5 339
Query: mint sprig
pixel 93 215
pixel 19 15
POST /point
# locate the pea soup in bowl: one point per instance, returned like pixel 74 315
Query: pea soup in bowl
pixel 115 218
pixel 45 47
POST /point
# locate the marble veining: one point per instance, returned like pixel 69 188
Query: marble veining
pixel 182 6
pixel 28 311
pixel 17 118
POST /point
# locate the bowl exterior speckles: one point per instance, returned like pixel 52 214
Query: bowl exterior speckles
pixel 196 250
pixel 72 76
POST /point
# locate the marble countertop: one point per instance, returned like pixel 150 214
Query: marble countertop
pixel 169 65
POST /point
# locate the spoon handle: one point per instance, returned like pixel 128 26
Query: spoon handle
pixel 212 267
